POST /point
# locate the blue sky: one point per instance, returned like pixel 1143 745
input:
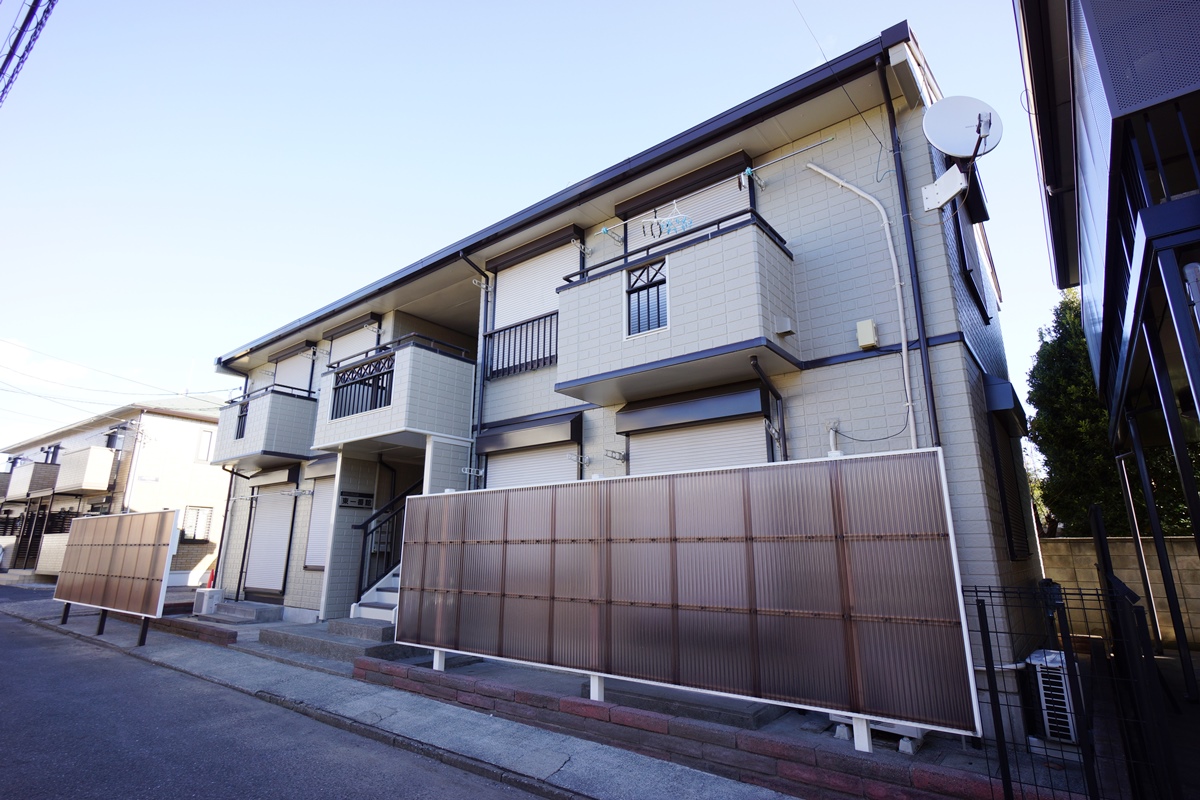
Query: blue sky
pixel 182 177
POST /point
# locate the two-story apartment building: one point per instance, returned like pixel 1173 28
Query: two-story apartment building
pixel 138 457
pixel 760 288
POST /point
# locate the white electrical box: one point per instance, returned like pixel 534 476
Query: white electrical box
pixel 868 339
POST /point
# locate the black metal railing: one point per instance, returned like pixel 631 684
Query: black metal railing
pixel 522 347
pixel 363 387
pixel 363 381
pixel 381 540
pixel 694 235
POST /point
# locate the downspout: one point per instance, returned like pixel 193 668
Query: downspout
pixel 779 409
pixel 237 591
pixel 225 526
pixel 287 559
pixel 887 234
pixel 910 251
pixel 131 476
pixel 481 359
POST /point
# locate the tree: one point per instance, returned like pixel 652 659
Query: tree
pixel 1071 428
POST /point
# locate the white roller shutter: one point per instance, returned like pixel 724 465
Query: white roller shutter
pixel 732 443
pixel 267 559
pixel 320 521
pixel 527 290
pixel 689 214
pixel 552 464
pixel 294 372
pixel 351 343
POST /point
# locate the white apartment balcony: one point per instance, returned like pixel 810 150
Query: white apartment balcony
pixel 683 314
pixel 269 427
pixel 31 480
pixel 396 395
pixel 85 472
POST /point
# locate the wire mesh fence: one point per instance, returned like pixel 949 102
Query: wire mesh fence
pixel 1073 700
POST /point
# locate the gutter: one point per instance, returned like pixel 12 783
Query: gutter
pixel 800 89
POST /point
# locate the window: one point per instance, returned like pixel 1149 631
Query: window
pixel 204 446
pixel 196 522
pixel 647 298
pixel 240 431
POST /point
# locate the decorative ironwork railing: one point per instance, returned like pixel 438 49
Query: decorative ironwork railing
pixel 363 387
pixel 522 347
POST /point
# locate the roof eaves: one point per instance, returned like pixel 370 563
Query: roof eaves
pixel 744 115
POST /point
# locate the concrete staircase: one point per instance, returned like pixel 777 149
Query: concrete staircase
pixel 244 612
pixel 380 601
pixel 340 640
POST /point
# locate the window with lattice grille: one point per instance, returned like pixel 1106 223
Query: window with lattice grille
pixel 646 295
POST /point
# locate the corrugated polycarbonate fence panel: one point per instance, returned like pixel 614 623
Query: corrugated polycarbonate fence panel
pixel 119 562
pixel 825 584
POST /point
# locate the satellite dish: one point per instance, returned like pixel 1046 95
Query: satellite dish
pixel 962 127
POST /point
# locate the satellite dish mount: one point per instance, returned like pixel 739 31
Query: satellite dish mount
pixel 964 129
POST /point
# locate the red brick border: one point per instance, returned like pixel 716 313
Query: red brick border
pixel 756 757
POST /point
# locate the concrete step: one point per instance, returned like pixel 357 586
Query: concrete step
pixel 249 611
pixel 381 611
pixel 318 641
pixel 369 630
pixel 15 576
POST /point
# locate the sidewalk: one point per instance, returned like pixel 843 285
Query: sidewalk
pixel 551 764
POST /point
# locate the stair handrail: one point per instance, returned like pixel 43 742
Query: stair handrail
pixel 376 522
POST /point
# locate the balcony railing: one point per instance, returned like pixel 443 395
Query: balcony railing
pixel 363 381
pixel 522 347
pixel 691 236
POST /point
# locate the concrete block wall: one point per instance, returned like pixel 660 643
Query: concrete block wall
pixel 1072 563
pixel 340 579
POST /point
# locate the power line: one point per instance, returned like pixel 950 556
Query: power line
pixel 103 372
pixel 106 391
pixel 841 85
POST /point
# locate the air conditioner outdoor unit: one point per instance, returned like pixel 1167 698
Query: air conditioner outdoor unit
pixel 1058 714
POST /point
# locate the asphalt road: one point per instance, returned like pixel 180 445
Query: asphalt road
pixel 82 721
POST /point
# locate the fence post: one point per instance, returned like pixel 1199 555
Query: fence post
pixel 1085 729
pixel 989 662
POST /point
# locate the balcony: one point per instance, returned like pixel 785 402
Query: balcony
pixel 729 294
pixel 396 394
pixel 31 480
pixel 522 347
pixel 85 472
pixel 267 428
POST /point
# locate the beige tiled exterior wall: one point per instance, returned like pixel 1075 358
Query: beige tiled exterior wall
pixel 733 287
pixel 431 393
pixel 275 423
pixel 340 585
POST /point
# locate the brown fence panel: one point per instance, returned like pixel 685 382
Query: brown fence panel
pixel 119 562
pixel 825 584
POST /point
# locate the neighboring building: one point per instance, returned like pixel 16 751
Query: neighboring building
pixel 1114 92
pixel 711 301
pixel 139 457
